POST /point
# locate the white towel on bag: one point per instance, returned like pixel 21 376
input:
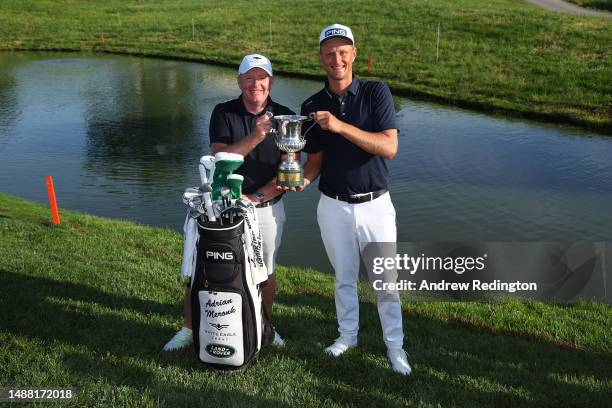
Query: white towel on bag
pixel 190 251
pixel 252 241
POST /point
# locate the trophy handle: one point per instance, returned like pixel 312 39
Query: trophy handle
pixel 310 117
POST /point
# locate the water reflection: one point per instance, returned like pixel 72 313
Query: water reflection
pixel 122 137
pixel 469 176
pixel 138 112
pixel 9 104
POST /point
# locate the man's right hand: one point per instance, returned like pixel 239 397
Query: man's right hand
pixel 263 125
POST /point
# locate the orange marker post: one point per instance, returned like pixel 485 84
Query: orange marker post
pixel 369 63
pixel 52 201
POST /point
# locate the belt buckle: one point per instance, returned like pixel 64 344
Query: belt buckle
pixel 363 198
pixel 358 199
pixel 353 199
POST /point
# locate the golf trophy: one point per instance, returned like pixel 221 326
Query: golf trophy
pixel 288 137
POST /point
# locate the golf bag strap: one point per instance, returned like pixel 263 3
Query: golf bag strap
pixel 267 337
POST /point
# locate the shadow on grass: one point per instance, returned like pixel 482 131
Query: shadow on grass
pixel 199 390
pixel 105 351
pixel 453 364
pixel 80 315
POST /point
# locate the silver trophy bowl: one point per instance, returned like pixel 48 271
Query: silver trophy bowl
pixel 288 138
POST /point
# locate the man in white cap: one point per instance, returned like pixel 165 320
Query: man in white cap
pixel 355 137
pixel 242 126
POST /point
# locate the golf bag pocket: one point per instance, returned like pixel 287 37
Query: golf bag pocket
pixel 221 255
pixel 221 263
pixel 221 335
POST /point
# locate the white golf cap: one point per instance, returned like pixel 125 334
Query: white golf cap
pixel 255 61
pixel 336 31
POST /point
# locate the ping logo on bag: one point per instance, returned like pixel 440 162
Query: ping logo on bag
pixel 220 351
pixel 219 256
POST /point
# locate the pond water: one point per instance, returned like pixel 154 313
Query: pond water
pixel 122 136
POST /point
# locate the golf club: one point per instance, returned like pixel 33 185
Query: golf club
pixel 209 165
pixel 205 190
pixel 225 192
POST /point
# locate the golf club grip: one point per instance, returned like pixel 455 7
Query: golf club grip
pixel 210 212
pixel 203 175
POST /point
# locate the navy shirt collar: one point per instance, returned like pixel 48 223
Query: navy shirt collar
pixel 352 89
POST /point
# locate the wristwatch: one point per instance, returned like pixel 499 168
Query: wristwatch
pixel 259 196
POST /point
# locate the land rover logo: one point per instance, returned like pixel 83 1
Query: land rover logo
pixel 220 351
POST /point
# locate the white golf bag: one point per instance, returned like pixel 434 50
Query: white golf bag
pixel 223 256
pixel 225 298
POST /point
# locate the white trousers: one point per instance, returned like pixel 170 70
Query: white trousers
pixel 271 221
pixel 345 230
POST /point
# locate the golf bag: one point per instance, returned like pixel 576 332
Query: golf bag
pixel 226 304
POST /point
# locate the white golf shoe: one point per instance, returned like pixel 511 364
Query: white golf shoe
pixel 399 361
pixel 341 345
pixel 278 340
pixel 183 338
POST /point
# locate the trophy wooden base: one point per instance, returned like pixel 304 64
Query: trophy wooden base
pixel 290 178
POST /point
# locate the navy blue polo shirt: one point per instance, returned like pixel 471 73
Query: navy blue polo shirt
pixel 346 168
pixel 230 122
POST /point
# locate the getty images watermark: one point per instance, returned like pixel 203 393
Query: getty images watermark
pixel 544 271
pixel 458 265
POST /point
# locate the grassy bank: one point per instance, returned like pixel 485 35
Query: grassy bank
pixel 499 55
pixel 89 304
pixel 594 4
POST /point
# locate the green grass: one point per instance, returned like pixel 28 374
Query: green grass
pixel 498 55
pixel 595 4
pixel 89 304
